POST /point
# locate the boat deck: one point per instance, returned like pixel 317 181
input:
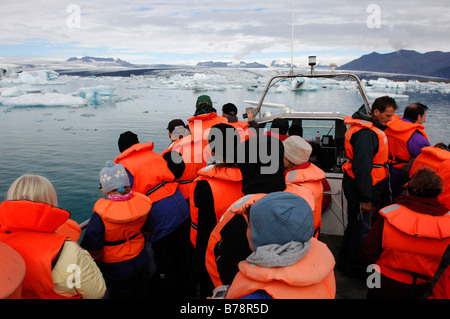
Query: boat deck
pixel 346 288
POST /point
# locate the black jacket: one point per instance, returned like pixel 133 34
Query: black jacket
pixel 365 147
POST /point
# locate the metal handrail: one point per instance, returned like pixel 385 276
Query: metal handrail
pixel 313 75
pixel 84 224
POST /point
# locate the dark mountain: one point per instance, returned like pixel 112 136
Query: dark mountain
pixel 435 63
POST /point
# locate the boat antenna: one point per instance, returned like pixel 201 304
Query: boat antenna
pixel 292 41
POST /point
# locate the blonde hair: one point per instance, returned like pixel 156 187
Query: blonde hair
pixel 34 188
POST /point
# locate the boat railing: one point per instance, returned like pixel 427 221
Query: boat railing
pixel 84 224
pixel 313 75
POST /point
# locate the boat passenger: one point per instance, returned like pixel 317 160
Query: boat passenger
pixel 295 129
pixel 440 285
pixel 409 239
pixel 430 156
pixel 262 172
pixel 215 189
pixel 301 172
pixel 287 262
pixel 177 129
pixel 229 111
pixel 204 117
pixel 444 173
pixel 114 235
pixel 365 177
pixel 29 222
pixel 406 137
pixel 169 219
pixel 279 128
pixel 184 157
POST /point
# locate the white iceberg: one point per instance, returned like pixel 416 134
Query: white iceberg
pixel 44 99
pixel 40 77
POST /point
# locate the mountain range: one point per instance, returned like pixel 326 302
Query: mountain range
pixel 434 64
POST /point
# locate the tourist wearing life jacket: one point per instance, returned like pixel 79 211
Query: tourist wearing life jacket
pixel 430 156
pixel 227 244
pixel 301 172
pixel 204 117
pixel 53 262
pixel 406 137
pixel 169 218
pixel 177 129
pixel 184 158
pixel 279 129
pixel 287 262
pixel 229 111
pixel 444 173
pixel 408 239
pixel 215 189
pixel 114 235
pixel 12 272
pixel 365 176
pixel 440 285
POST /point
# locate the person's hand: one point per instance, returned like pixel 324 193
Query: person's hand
pixel 250 116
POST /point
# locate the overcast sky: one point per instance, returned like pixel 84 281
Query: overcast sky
pixel 229 30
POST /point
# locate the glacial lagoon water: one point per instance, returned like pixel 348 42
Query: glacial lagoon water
pixel 66 127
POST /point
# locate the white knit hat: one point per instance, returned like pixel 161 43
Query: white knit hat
pixel 113 176
pixel 297 150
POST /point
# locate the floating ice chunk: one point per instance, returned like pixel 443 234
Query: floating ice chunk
pixel 375 95
pixel 96 94
pixel 34 77
pixel 44 99
pixel 12 91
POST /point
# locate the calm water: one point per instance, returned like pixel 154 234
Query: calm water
pixel 71 145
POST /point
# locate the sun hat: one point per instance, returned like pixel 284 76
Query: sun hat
pixel 297 150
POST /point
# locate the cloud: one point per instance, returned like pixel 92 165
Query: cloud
pixel 231 28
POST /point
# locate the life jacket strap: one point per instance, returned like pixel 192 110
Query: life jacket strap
pixel 120 242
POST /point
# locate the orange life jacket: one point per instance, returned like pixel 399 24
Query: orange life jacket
pixel 199 125
pixel 226 188
pixel 195 155
pixel 243 130
pixel 71 229
pixel 310 177
pixel 240 207
pixel 379 170
pixel 430 156
pixel 30 229
pixel 412 243
pixel 149 171
pixel 444 173
pixel 12 273
pixel 123 222
pixel 398 134
pixel 312 277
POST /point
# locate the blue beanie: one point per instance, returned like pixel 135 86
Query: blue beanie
pixel 279 218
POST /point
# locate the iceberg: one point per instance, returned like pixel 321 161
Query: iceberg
pixel 96 94
pixel 44 99
pixel 40 77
